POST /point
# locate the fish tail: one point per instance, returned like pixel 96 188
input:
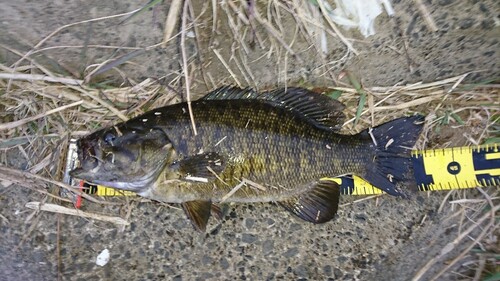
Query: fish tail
pixel 391 168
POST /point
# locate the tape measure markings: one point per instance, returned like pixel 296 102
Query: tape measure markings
pixel 457 168
pixel 493 156
pixel 108 191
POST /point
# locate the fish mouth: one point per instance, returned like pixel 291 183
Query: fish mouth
pixel 88 158
pixel 88 154
pixel 129 162
pixel 101 178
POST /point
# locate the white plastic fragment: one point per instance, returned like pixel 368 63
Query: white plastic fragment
pixel 102 258
pixel 358 13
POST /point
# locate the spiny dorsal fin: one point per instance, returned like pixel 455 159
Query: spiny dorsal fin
pixel 231 93
pixel 318 109
pixel 317 205
pixel 198 212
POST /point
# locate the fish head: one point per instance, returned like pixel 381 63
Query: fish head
pixel 123 157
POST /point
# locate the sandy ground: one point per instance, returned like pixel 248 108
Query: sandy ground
pixel 384 239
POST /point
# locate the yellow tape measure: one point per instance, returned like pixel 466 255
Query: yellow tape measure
pixel 457 167
pixel 108 191
pixel 434 169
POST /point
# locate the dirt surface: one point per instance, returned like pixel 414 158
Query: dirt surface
pixel 402 51
pixel 383 239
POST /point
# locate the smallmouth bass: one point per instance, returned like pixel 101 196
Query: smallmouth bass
pixel 273 146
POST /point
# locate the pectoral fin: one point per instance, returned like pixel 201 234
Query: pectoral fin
pixel 198 212
pixel 317 205
pixel 201 166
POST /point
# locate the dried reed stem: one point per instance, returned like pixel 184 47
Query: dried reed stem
pixel 450 246
pixel 38 77
pixel 18 123
pixel 185 65
pixel 74 212
pixel 427 16
pixel 171 21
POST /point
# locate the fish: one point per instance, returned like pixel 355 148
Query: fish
pixel 276 146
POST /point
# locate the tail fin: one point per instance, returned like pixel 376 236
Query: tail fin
pixel 392 167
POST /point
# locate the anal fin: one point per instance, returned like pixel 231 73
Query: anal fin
pixel 198 212
pixel 317 205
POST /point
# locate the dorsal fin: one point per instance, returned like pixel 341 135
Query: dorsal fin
pixel 321 110
pixel 318 109
pixel 231 93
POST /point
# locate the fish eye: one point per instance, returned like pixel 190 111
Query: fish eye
pixel 109 138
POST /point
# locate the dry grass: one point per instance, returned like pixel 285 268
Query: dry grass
pixel 41 111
